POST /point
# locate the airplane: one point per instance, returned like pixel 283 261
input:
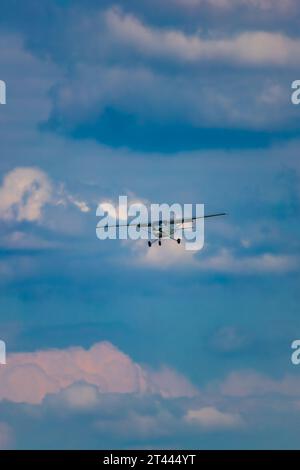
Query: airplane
pixel 166 229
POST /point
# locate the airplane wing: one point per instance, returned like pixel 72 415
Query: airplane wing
pixel 131 225
pixel 182 221
pixel 171 222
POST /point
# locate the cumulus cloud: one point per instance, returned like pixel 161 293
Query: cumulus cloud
pixel 26 191
pixel 29 377
pixel 116 419
pixel 139 416
pixel 211 418
pixel 23 194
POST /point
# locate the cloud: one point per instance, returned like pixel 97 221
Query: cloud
pixel 130 419
pixel 248 48
pixel 157 110
pixel 225 261
pixel 261 5
pixel 211 418
pixel 169 255
pixel 78 396
pixel 80 204
pixel 252 383
pixel 129 85
pixel 171 384
pixel 29 377
pixel 116 84
pixel 23 194
pixel 26 191
pixel 136 416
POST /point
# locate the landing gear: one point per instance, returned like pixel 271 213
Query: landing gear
pixel 150 243
pixel 178 241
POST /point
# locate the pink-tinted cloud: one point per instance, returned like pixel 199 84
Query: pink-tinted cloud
pixel 29 377
pixel 170 384
pixel 252 383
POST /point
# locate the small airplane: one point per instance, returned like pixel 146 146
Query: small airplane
pixel 166 229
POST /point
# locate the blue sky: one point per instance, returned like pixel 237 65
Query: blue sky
pixel 111 345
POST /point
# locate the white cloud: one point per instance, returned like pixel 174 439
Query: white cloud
pixel 172 255
pixel 169 255
pixel 23 194
pixel 81 205
pixel 248 48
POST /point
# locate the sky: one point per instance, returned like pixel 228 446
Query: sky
pixel 110 344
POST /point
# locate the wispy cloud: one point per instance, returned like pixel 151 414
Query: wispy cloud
pixel 248 48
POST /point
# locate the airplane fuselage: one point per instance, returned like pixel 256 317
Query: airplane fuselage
pixel 163 230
